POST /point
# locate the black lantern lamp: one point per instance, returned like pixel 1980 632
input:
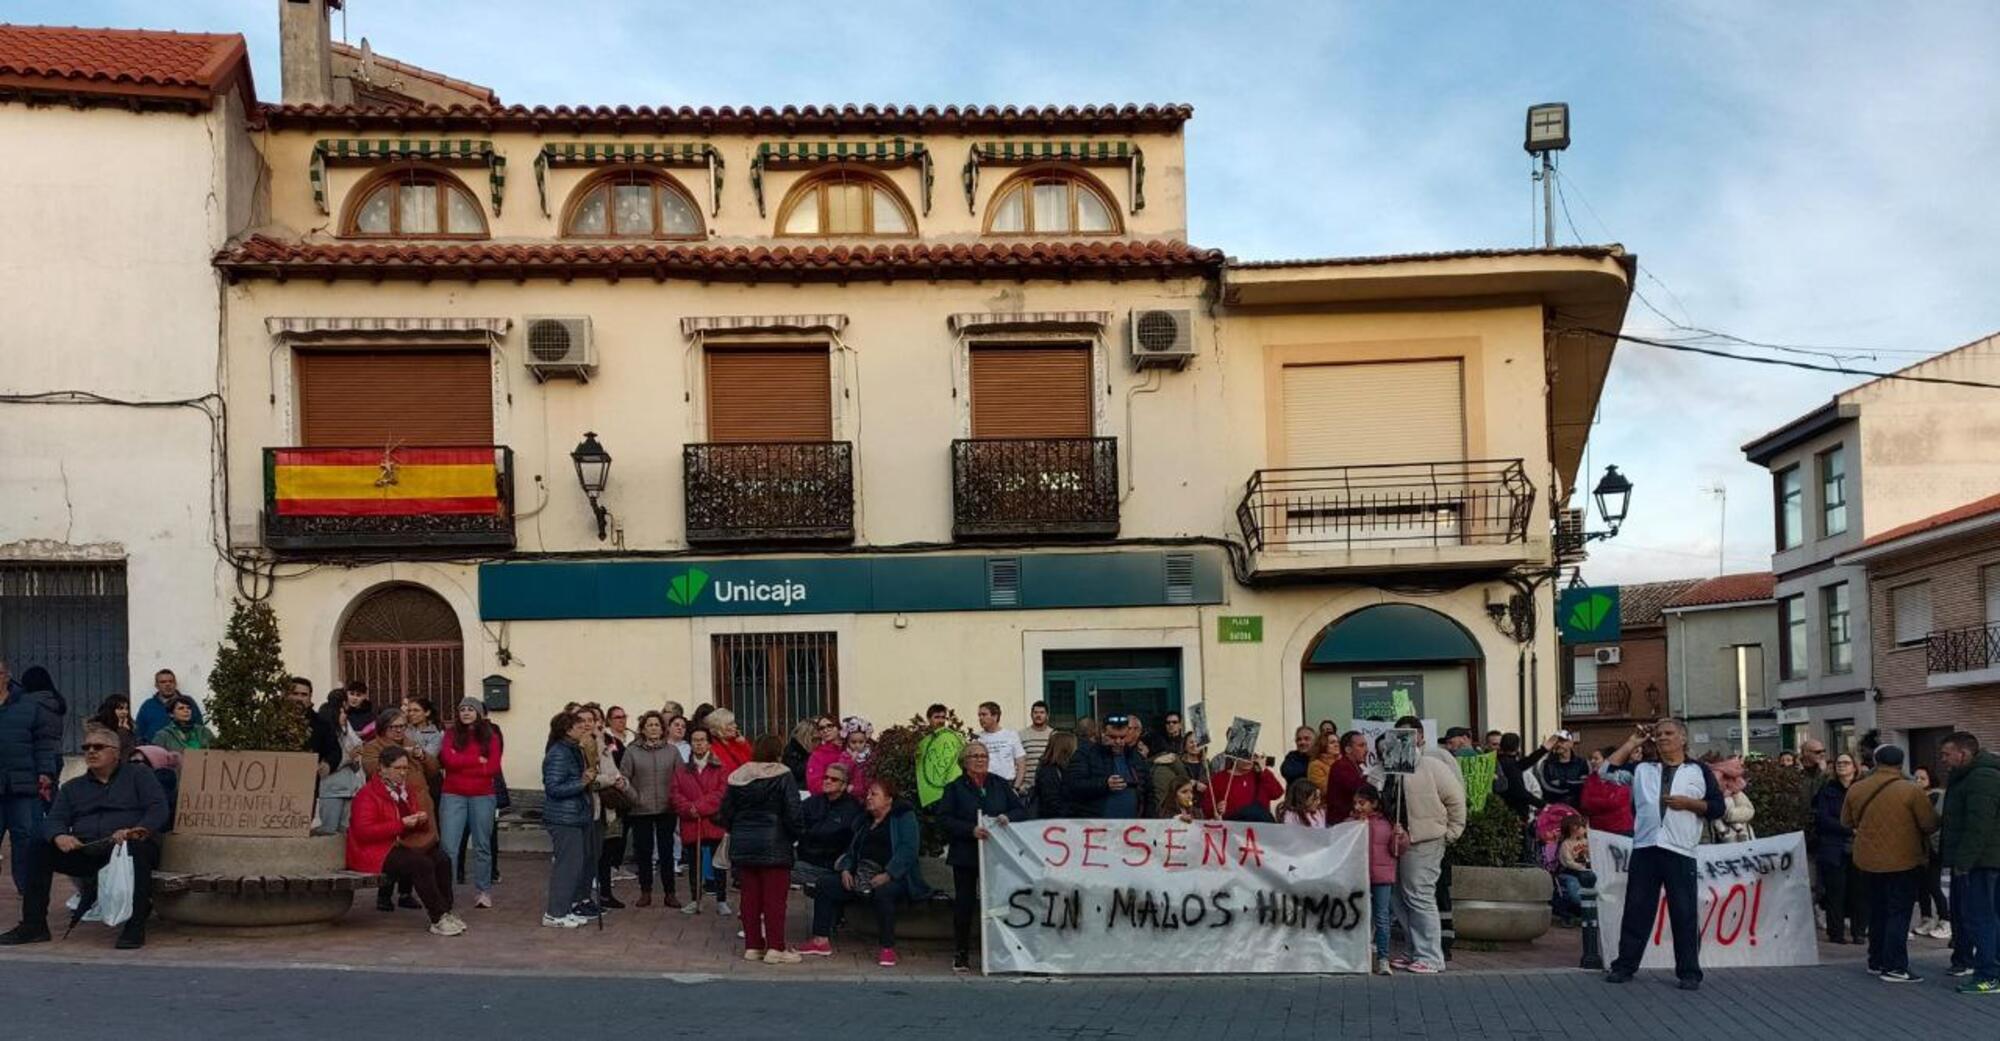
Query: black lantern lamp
pixel 1614 496
pixel 593 472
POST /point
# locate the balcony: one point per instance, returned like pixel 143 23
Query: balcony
pixel 795 492
pixel 1055 487
pixel 1460 518
pixel 445 498
pixel 1956 657
pixel 1608 700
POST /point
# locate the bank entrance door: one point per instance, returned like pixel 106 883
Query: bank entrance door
pixel 1077 684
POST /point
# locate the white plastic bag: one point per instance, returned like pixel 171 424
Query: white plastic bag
pixel 114 888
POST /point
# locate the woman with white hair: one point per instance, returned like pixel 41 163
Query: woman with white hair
pixel 732 749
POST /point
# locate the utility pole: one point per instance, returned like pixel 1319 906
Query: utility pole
pixel 1548 133
pixel 1721 493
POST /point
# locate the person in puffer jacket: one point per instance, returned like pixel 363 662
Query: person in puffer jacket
pixel 760 808
pixel 30 762
pixel 1606 803
pixel 566 813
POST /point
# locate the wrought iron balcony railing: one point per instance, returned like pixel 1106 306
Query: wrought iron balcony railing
pixel 410 498
pixel 1963 650
pixel 793 491
pixel 1019 487
pixel 1388 506
pixel 1610 698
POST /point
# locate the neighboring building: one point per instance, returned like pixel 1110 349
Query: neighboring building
pixel 1613 684
pixel 1934 584
pixel 128 164
pixel 1722 637
pixel 1877 456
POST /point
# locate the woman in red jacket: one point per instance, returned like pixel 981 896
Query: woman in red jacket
pixel 470 756
pixel 394 832
pixel 1605 802
pixel 697 799
pixel 732 749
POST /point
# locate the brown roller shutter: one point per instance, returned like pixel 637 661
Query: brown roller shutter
pixel 764 395
pixel 1038 391
pixel 368 398
pixel 1374 413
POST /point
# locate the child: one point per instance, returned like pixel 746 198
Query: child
pixel 1572 870
pixel 1381 869
pixel 1179 803
pixel 1302 805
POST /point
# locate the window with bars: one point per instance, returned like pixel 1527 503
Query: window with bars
pixel 773 680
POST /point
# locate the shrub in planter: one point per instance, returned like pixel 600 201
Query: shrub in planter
pixel 1495 896
pixel 246 700
pixel 1779 794
pixel 1493 838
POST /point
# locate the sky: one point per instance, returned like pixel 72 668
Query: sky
pixel 1805 173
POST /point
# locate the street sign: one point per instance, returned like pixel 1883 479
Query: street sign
pixel 1239 628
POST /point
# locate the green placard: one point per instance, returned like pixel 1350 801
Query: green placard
pixel 1239 628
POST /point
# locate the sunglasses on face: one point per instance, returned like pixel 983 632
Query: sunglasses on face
pixel 99 748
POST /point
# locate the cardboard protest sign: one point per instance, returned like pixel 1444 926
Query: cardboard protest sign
pixel 1373 730
pixel 1752 899
pixel 1160 896
pixel 1242 738
pixel 1197 723
pixel 246 793
pixel 1397 749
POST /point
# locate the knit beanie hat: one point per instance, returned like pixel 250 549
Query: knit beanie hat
pixel 1888 755
pixel 475 705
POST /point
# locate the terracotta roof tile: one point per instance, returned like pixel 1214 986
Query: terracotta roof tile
pixel 1727 589
pixel 139 62
pixel 264 257
pixel 1639 603
pixel 789 119
pixel 1976 508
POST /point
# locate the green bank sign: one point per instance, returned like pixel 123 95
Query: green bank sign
pixel 1588 614
pixel 526 591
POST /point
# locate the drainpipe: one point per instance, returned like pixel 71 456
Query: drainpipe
pixel 1521 685
pixel 1534 695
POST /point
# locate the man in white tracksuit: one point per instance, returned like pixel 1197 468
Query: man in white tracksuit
pixel 1672 799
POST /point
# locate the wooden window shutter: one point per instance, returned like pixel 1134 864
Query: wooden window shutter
pixel 1377 412
pixel 760 394
pixel 366 399
pixel 1039 391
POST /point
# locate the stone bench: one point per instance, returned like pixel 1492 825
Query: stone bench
pixel 171 882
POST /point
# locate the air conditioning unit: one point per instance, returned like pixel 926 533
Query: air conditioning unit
pixel 560 347
pixel 1607 656
pixel 1162 338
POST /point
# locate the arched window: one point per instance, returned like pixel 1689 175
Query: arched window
pixel 1051 202
pixel 404 641
pixel 845 202
pixel 415 202
pixel 632 204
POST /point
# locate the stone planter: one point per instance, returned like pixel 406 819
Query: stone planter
pixel 254 912
pixel 1509 904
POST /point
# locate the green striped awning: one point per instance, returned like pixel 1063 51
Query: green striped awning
pixel 773 155
pixel 386 149
pixel 649 153
pixel 1090 153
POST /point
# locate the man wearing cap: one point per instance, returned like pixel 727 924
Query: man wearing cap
pixel 1892 819
pixel 1110 779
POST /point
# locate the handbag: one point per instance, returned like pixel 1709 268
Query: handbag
pixel 616 799
pixel 720 858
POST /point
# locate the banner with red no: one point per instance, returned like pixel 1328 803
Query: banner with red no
pixel 1753 900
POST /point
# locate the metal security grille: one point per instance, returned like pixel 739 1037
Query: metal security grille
pixel 70 620
pixel 773 680
pixel 404 641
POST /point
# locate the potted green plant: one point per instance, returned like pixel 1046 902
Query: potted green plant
pixel 1780 795
pixel 240 855
pixel 1496 895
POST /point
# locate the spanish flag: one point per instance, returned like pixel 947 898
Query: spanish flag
pixel 399 482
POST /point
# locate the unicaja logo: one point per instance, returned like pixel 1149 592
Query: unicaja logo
pixel 686 586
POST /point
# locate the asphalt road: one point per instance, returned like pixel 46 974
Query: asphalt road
pixel 52 999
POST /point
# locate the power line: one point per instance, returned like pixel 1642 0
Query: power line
pixel 1788 363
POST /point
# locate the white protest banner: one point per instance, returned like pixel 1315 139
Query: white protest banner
pixel 1160 896
pixel 1752 899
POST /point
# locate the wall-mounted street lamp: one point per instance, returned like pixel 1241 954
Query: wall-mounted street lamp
pixel 1614 497
pixel 593 472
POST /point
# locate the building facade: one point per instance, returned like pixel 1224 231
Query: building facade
pixel 130 163
pixel 1935 584
pixel 1877 456
pixel 1722 669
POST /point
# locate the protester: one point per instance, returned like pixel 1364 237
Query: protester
pixel 732 749
pixel 1089 732
pixel 857 737
pixel 1299 760
pixel 1671 797
pixel 1381 867
pixel 1562 773
pixel 1788 759
pixel 937 756
pixel 1245 792
pixel 1004 748
pixel 115 715
pixel 1513 771
pixel 799 749
pixel 1737 810
pixel 111 802
pixel 827 823
pixel 649 765
pixel 395 833
pixel 321 738
pixel 611 796
pixel 1034 742
pixel 566 813
pixel 1109 779
pixel 677 731
pixel 878 866
pixel 1493 739
pixel 1429 805
pixel 1606 803
pixel 1892 820
pixel 1812 757
pixel 760 809
pixel 393 731
pixel 1184 765
pixel 974 794
pixel 1573 873
pixel 1304 807
pixel 1845 900
pixel 157 711
pixel 698 790
pixel 1458 741
pixel 469 754
pixel 1346 776
pixel 1326 751
pixel 30 762
pixel 1052 776
pixel 1326 726
pixel 1971 850
pixel 183 729
pixel 341 779
pixel 1932 905
pixel 420 716
pixel 828 749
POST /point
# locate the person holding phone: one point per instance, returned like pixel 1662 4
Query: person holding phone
pixel 1109 779
pixel 1672 799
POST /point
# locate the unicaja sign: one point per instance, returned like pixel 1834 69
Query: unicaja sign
pixel 687 587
